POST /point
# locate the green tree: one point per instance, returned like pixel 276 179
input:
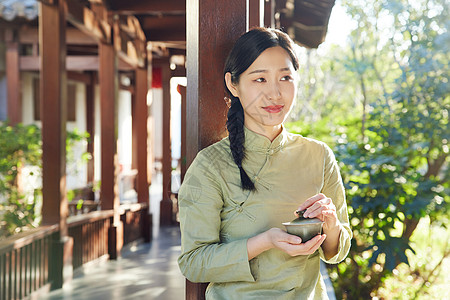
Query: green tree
pixel 393 143
pixel 21 146
pixel 398 172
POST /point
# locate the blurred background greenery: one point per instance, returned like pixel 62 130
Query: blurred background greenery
pixel 21 175
pixel 381 101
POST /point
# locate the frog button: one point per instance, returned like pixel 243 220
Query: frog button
pixel 256 178
pixel 239 208
pixel 270 152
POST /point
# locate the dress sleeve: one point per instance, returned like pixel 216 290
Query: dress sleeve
pixel 334 189
pixel 204 258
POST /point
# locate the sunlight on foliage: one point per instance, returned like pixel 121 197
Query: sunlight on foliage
pixel 20 175
pixel 382 104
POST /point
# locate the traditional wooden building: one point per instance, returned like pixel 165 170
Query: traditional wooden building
pixel 103 47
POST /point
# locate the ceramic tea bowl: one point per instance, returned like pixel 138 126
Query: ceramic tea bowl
pixel 305 228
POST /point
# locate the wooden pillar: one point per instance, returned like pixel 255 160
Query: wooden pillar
pixel 13 77
pixel 256 13
pixel 140 115
pixel 134 127
pixel 212 28
pixel 182 90
pixel 109 192
pixel 140 134
pixel 150 122
pixel 90 125
pixel 53 89
pixel 166 204
pixel 134 131
pixel 269 13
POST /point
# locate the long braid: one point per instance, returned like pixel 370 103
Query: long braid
pixel 244 52
pixel 235 126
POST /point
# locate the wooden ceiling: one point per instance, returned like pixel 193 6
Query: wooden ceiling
pixel 161 20
pixel 165 20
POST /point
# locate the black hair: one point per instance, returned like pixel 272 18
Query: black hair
pixel 245 51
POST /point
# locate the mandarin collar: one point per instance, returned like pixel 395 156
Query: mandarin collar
pixel 260 143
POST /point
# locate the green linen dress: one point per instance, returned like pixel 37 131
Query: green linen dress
pixel 217 217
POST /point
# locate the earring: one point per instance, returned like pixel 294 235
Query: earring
pixel 227 101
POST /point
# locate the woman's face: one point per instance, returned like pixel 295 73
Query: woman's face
pixel 267 90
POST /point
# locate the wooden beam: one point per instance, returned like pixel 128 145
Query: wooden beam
pixel 164 28
pixel 127 50
pixel 85 78
pixel 73 63
pixel 174 51
pixel 138 6
pixel 13 80
pixel 129 41
pixel 30 35
pixel 132 26
pixel 177 35
pixel 87 21
pixel 212 28
pixel 82 63
pixel 163 22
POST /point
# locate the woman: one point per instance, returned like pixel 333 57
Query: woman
pixel 237 192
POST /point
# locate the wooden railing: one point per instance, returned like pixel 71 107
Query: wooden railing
pixel 90 236
pixel 136 222
pixel 24 262
pixel 25 265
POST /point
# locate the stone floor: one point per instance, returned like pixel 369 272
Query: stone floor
pixel 145 271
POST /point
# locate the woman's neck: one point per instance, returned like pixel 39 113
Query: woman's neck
pixel 270 132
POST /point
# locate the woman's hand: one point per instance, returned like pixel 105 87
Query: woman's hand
pixel 321 207
pixel 292 244
pixel 277 238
